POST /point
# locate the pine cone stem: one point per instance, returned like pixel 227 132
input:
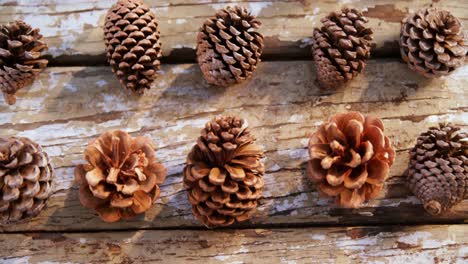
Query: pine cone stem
pixel 433 207
pixel 9 98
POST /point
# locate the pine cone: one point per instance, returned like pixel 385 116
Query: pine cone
pixel 132 43
pixel 341 47
pixel 122 176
pixel 224 174
pixel 431 42
pixel 350 158
pixel 229 47
pixel 25 179
pixel 438 168
pixel 20 57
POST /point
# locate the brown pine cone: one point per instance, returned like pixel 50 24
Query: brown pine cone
pixel 431 42
pixel 229 46
pixel 350 158
pixel 224 174
pixel 438 168
pixel 132 43
pixel 341 47
pixel 122 176
pixel 26 176
pixel 21 59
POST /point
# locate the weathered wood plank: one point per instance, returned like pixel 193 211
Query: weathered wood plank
pixel 69 106
pixel 73 29
pixel 393 244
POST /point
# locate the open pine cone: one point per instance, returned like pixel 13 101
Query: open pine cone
pixel 132 43
pixel 122 176
pixel 224 174
pixel 431 42
pixel 350 158
pixel 229 46
pixel 21 59
pixel 26 177
pixel 438 168
pixel 341 47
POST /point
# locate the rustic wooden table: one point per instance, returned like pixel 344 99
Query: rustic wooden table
pixel 77 98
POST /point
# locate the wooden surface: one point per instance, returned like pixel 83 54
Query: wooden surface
pixel 69 105
pixel 396 245
pixel 74 32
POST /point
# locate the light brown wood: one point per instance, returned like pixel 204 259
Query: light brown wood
pixel 396 245
pixel 67 107
pixel 73 29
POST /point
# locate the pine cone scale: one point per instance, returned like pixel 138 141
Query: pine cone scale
pixel 431 42
pixel 121 177
pixel 21 49
pixel 350 158
pixel 133 45
pixel 25 179
pixel 341 47
pixel 223 175
pixel 228 47
pixel 438 168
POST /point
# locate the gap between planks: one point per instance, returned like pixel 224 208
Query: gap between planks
pixel 280 226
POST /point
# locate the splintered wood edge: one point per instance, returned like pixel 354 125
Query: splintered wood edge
pixel 69 106
pixel 74 30
pixel 393 244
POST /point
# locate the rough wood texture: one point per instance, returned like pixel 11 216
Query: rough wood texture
pixel 396 245
pixel 73 29
pixel 67 107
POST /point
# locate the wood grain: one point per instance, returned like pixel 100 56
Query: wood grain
pixel 73 29
pixel 394 244
pixel 68 106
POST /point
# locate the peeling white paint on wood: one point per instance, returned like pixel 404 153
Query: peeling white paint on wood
pixel 76 28
pixel 328 245
pixel 19 260
pixel 101 83
pixel 257 7
pixel 318 237
pixel 415 237
pixel 180 103
pixel 67 107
